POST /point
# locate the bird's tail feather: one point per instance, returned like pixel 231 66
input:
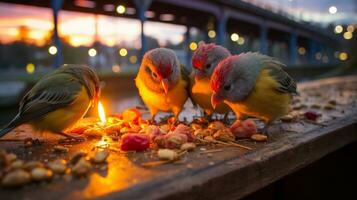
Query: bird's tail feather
pixel 14 122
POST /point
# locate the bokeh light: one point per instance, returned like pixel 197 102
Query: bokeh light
pixel 92 52
pixel 211 34
pixel 234 37
pixel 120 9
pixel 116 68
pixel 30 68
pixel 193 46
pixel 350 28
pixel 338 29
pixel 133 59
pixel 52 50
pixel 240 41
pixel 123 52
pixel 332 9
pixel 325 59
pixel 318 56
pixel 347 35
pixel 343 56
pixel 301 50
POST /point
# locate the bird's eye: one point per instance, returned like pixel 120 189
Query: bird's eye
pixel 208 65
pixel 147 69
pixel 227 87
pixel 154 74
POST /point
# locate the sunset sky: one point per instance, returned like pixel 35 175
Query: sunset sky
pixel 79 28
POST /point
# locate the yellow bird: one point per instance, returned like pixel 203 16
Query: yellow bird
pixel 204 61
pixel 253 84
pixel 58 100
pixel 161 82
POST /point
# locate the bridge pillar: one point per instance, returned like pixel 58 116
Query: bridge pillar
pixel 292 48
pixel 312 51
pixel 263 39
pixel 221 27
pixel 142 6
pixel 56 5
pixel 187 48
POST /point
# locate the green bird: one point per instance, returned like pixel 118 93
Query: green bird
pixel 57 101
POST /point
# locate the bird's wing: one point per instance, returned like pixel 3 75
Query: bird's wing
pixel 186 76
pixel 48 95
pixel 286 84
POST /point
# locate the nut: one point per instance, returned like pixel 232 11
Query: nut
pixel 196 126
pixel 10 157
pixel 58 166
pixel 209 138
pixel 60 149
pixel 16 178
pixel 316 106
pixel 287 118
pixel 82 167
pixel 76 156
pixel 216 125
pixel 167 154
pixel 188 146
pixel 32 164
pixel 17 164
pixel 201 133
pixel 224 135
pixel 329 106
pixel 93 132
pixel 40 174
pixel 259 137
pixel 100 156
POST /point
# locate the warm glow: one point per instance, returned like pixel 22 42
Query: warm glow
pixel 52 50
pixel 30 68
pixel 121 9
pixel 211 33
pixel 101 113
pixel 92 52
pixel 347 35
pixel 301 50
pixel 332 10
pixel 123 52
pixel 240 41
pixel 338 29
pixel 193 46
pixel 234 37
pixel 343 56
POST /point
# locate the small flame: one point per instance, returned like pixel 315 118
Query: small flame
pixel 101 113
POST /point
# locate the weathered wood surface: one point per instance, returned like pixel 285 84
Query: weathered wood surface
pixel 229 174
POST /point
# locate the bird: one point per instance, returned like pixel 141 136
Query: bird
pixel 204 60
pixel 162 82
pixel 253 84
pixel 58 100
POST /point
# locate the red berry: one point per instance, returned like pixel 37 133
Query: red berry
pixel 311 115
pixel 134 142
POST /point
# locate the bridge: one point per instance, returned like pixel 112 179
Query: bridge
pixel 221 17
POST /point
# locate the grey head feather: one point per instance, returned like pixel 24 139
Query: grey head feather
pixel 246 68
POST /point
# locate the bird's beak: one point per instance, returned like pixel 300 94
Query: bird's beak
pixel 165 85
pixel 216 99
pixel 199 75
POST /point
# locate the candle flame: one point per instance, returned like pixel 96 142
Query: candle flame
pixel 101 113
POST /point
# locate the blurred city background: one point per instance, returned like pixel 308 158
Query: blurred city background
pixel 315 38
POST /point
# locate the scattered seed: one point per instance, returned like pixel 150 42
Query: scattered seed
pixel 167 154
pixel 41 174
pixel 60 149
pixel 82 167
pixel 58 166
pixel 259 137
pixel 16 178
pixel 100 156
pixel 76 156
pixel 188 146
